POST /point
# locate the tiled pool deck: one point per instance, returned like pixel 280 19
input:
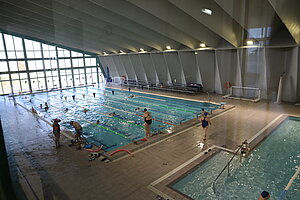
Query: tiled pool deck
pixel 41 171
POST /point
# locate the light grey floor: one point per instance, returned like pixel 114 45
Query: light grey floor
pixel 66 173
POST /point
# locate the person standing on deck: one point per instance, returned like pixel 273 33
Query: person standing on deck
pixel 78 130
pixel 205 122
pixel 56 131
pixel 148 122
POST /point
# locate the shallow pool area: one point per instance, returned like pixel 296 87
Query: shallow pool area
pixel 126 125
pixel 269 167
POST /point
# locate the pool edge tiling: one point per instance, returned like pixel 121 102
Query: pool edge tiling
pixel 162 186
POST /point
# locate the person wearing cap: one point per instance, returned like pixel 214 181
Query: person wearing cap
pixel 148 122
pixel 56 131
pixel 46 106
pixel 264 195
pixel 205 121
pixel 202 112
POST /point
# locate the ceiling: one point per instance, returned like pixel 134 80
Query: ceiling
pixel 112 25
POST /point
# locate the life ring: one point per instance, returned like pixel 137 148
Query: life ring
pixel 227 85
pixel 123 77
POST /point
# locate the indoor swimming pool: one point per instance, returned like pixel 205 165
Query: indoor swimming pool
pixel 126 125
pixel 269 167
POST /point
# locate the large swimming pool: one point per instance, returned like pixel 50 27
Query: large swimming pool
pixel 269 167
pixel 113 131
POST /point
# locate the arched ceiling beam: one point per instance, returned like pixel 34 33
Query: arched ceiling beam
pixel 257 17
pixel 137 15
pixel 69 24
pixel 14 28
pixel 97 25
pixel 117 20
pixel 174 16
pixel 219 22
pixel 63 35
pixel 288 12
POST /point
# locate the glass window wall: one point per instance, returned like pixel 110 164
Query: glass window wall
pixel 28 66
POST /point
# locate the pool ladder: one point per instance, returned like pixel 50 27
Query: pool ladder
pixel 226 166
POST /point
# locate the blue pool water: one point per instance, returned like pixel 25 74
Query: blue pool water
pixel 269 167
pixel 126 126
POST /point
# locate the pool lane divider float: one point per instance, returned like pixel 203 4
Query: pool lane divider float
pixel 100 113
pixel 171 97
pixel 123 92
pixel 138 102
pixel 168 107
pixel 120 102
pixel 194 106
pixel 119 150
pixel 89 121
pixel 132 113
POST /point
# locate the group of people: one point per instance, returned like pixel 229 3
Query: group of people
pixel 56 131
pixel 33 110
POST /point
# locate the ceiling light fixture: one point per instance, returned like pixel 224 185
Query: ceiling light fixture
pixel 207 11
pixel 168 47
pixel 122 52
pixel 249 42
pixel 142 50
pixel 202 45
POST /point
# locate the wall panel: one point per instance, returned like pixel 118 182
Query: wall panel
pixel 248 67
pixel 109 61
pixel 149 68
pixel 174 67
pixel 119 65
pixel 138 67
pixel 161 67
pixel 189 66
pixel 128 67
pixel 226 61
pixel 206 66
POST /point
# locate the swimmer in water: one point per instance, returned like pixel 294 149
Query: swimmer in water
pixel 85 110
pixel 112 114
pixel 46 106
pixel 131 96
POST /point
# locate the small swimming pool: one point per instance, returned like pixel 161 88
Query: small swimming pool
pixel 269 167
pixel 113 131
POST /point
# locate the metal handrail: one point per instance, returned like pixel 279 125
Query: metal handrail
pixel 227 165
pixel 289 184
